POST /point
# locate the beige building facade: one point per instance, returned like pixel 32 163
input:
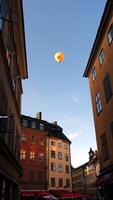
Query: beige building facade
pixel 58 161
pixel 78 179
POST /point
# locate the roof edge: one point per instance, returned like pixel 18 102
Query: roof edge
pixel 104 17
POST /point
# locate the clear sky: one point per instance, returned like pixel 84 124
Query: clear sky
pixel 59 91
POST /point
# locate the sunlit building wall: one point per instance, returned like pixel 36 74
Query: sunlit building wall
pixel 99 71
pixel 59 162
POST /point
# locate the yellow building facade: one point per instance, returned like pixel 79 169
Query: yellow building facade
pixel 59 163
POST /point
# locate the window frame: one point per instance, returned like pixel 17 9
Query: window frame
pixel 23 138
pixel 41 142
pixel 66 157
pixel 60 168
pixel 1 14
pixel 22 155
pixel 107 88
pixel 67 182
pixel 24 122
pixel 53 154
pixel 33 124
pixel 53 143
pixel 101 56
pixel 98 103
pixel 41 127
pixel 60 145
pixel 94 74
pixel 32 155
pixel 110 33
pixel 53 182
pixel 104 146
pixel 67 169
pixel 41 156
pixel 33 141
pixel 53 167
pixel 60 155
pixel 60 181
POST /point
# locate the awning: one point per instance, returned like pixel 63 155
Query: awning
pixel 28 193
pixel 52 197
pixel 105 179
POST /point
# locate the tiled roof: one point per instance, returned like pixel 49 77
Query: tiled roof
pixel 53 130
pixel 58 134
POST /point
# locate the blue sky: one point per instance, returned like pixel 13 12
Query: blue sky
pixel 59 91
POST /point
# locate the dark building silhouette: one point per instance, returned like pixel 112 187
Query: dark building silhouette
pixel 13 68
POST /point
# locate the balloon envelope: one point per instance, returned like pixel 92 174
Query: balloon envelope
pixel 59 57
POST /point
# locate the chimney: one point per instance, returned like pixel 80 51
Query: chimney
pixel 39 115
pixel 55 122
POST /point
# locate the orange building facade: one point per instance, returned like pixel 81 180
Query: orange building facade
pixel 99 71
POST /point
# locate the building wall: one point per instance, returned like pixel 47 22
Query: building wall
pixel 84 178
pixel 10 95
pixel 103 120
pixel 34 175
pixel 91 179
pixel 64 148
pixel 78 180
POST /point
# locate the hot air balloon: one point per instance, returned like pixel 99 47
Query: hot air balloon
pixel 59 57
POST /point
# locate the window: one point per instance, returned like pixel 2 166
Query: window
pixel 94 74
pixel 24 122
pixel 111 125
pixel 60 145
pixel 52 182
pixel 67 182
pixel 14 82
pixel 41 176
pixel 66 146
pixel 101 57
pixel 52 143
pixel 33 139
pixel 41 127
pixel 105 149
pixel 8 56
pixel 66 157
pixel 107 87
pixel 52 154
pixel 41 156
pixel 32 155
pixel 23 138
pixel 60 155
pixel 53 167
pixel 60 182
pixel 98 103
pixel 41 140
pixel 33 124
pixel 60 168
pixel 22 155
pixel 1 13
pixel 31 175
pixel 110 34
pixel 67 169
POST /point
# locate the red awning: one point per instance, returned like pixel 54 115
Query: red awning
pixel 33 193
pixel 105 179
